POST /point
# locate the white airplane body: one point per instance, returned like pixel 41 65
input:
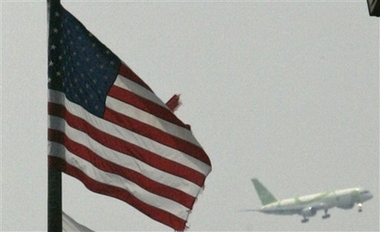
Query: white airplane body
pixel 307 206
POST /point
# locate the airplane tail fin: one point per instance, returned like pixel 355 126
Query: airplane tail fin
pixel 265 196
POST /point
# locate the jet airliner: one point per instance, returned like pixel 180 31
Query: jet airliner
pixel 307 206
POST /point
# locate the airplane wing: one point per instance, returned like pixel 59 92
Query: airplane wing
pixel 249 210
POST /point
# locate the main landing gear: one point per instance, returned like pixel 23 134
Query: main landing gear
pixel 304 220
pixel 326 215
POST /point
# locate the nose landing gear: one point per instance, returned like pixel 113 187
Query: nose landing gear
pixel 360 205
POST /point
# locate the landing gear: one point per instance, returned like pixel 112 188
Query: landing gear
pixel 360 205
pixel 304 220
pixel 326 215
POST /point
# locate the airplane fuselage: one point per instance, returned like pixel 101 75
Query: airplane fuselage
pixel 310 204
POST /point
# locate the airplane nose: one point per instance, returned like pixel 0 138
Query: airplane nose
pixel 368 196
pixel 365 196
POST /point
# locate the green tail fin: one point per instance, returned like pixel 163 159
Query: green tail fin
pixel 265 196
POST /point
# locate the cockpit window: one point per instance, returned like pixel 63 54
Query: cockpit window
pixel 364 192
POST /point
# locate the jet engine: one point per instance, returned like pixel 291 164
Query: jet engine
pixel 309 212
pixel 345 205
pixel 348 201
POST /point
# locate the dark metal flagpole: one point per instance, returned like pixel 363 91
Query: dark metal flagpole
pixel 54 200
pixel 54 175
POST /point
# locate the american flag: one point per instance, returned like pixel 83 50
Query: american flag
pixel 108 129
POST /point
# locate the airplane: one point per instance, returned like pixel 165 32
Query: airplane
pixel 307 206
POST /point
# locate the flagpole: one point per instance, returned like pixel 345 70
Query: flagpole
pixel 54 200
pixel 54 175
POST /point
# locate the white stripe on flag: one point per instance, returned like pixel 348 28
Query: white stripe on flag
pixel 137 89
pixel 152 120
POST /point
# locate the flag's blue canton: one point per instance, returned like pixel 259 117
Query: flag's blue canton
pixel 79 64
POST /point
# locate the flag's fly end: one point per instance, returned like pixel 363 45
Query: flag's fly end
pixel 174 102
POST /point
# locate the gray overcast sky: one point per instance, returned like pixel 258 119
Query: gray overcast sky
pixel 285 91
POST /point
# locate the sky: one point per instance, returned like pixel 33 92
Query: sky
pixel 283 91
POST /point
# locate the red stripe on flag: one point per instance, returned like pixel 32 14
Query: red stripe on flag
pixel 127 148
pixel 173 102
pixel 119 193
pixel 143 104
pixel 131 175
pixel 157 135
